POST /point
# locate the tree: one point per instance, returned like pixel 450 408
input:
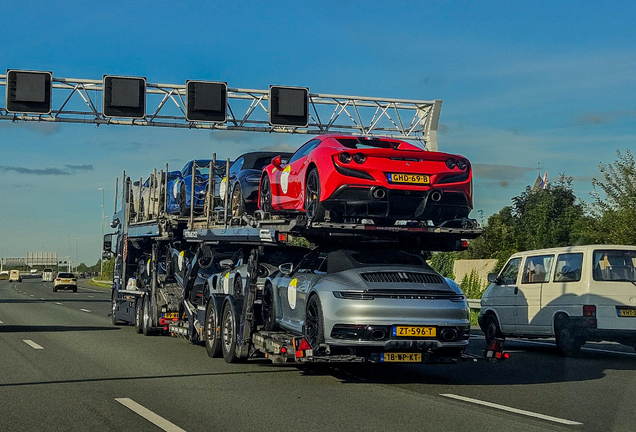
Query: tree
pixel 443 262
pixel 538 218
pixel 614 204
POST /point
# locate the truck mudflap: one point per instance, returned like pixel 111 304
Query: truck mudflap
pixel 288 348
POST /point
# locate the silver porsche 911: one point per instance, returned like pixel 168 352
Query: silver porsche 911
pixel 368 300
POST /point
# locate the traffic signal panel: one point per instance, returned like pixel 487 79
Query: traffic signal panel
pixel 124 97
pixel 29 92
pixel 206 101
pixel 288 106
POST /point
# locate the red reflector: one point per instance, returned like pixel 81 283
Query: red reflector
pixel 589 310
pixel 498 355
pixel 300 354
pixel 304 345
pixel 162 321
pixel 283 350
pixel 282 237
pixel 506 355
pixel 165 328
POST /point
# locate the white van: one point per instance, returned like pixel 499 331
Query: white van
pixel 14 276
pixel 47 275
pixel 575 294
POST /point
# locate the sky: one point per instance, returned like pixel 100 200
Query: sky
pixel 523 83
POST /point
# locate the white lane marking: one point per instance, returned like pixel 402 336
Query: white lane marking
pixel 513 410
pixel 85 310
pixel 1 322
pixel 58 303
pixel 32 344
pixel 149 415
pixel 91 296
pixel 42 298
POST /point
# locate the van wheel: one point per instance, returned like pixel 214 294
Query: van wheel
pixel 492 330
pixel 567 342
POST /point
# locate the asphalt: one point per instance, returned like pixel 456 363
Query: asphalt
pixel 66 367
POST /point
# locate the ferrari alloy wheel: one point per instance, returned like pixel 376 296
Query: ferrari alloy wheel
pixel 313 209
pixel 265 197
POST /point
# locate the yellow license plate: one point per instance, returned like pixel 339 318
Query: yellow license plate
pixel 409 178
pixel 411 331
pixel 626 312
pixel 402 357
pixel 66 280
pixel 170 315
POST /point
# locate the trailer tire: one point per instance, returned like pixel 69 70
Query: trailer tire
pixel 491 328
pixel 229 330
pixel 268 310
pixel 139 316
pixel 113 317
pixel 147 322
pixel 313 330
pixel 212 342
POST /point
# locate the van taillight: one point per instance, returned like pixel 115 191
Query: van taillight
pixel 589 311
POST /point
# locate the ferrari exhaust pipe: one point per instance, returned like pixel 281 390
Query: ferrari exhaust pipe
pixel 378 193
pixel 436 195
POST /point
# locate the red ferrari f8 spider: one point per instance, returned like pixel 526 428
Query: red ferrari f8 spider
pixel 346 178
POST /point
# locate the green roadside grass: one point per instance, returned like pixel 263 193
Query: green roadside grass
pixel 99 284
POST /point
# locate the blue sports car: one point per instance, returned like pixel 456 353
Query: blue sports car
pixel 179 189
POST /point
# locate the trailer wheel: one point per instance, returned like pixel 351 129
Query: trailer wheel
pixel 491 328
pixel 212 342
pixel 228 335
pixel 268 312
pixel 147 322
pixel 314 323
pixel 113 317
pixel 139 316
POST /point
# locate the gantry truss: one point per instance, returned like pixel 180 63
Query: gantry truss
pixel 248 111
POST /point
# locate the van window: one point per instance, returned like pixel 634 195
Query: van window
pixel 568 267
pixel 613 265
pixel 537 269
pixel 510 272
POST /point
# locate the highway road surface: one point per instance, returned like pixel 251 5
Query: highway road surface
pixel 65 367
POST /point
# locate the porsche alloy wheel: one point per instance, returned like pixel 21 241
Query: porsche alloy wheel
pixel 314 323
pixel 238 207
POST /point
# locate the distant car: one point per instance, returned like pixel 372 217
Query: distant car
pixel 14 276
pixel 244 178
pixel 340 178
pixel 146 198
pixel 65 281
pixel 179 189
pixel 360 298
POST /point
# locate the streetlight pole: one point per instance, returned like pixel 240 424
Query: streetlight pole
pixel 69 253
pixel 76 253
pixel 101 259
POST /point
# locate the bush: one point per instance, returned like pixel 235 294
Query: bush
pixel 472 286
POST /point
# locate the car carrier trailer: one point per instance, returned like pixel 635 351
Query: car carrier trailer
pixel 158 260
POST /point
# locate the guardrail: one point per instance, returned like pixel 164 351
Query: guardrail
pixel 474 303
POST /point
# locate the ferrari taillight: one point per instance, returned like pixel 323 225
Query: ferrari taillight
pixel 359 158
pixel 461 164
pixel 345 157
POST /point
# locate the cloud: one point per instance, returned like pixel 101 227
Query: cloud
pixel 75 168
pixel 45 128
pixel 234 136
pixel 504 175
pixel 66 171
pixel 599 119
